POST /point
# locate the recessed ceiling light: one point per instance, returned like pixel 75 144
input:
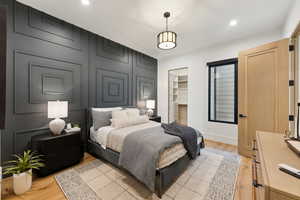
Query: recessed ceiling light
pixel 85 2
pixel 233 22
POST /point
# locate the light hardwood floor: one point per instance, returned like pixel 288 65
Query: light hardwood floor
pixel 47 188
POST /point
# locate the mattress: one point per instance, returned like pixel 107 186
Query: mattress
pixel 112 138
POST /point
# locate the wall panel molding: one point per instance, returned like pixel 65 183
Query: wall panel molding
pixel 36 24
pixel 145 88
pixel 110 73
pixel 111 50
pixel 50 25
pixel 22 138
pixel 49 83
pixel 146 62
pixel 145 78
pixel 3 35
pixel 31 89
pixel 112 88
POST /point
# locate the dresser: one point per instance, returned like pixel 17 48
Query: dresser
pixel 269 182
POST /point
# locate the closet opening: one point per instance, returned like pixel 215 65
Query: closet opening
pixel 178 95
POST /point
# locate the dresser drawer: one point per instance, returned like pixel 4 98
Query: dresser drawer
pixel 258 184
pixel 269 182
pixel 259 193
pixel 278 196
pixel 255 151
pixel 260 188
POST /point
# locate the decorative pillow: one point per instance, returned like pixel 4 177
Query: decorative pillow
pixel 125 122
pixel 107 109
pixel 139 120
pixel 102 116
pixel 119 122
pixel 133 112
pixel 119 114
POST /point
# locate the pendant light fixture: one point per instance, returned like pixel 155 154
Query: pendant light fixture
pixel 166 39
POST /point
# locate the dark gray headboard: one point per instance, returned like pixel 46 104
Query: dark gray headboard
pixel 89 118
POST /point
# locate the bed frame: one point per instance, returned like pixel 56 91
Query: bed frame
pixel 165 177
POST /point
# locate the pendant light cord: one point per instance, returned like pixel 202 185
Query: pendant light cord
pixel 167 24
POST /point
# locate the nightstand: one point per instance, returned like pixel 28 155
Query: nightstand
pixel 58 151
pixel 155 118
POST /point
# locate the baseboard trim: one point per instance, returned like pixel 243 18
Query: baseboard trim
pixel 218 138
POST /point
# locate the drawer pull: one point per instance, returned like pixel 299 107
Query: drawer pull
pixel 254 171
pixel 254 146
pixel 256 184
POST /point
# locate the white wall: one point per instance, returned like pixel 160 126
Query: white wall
pixel 198 84
pixel 292 20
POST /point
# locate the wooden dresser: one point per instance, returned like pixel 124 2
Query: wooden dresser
pixel 269 182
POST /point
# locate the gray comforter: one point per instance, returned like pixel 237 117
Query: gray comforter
pixel 140 157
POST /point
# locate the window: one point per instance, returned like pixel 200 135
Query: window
pixel 222 90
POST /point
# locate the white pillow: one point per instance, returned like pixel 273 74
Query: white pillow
pixel 133 112
pixel 119 114
pixel 138 120
pixel 126 122
pixel 119 122
pixel 106 109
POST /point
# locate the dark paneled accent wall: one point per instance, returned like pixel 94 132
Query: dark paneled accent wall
pixel 49 59
pixel 3 25
pixel 110 73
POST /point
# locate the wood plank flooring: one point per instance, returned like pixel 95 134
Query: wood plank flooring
pixel 47 188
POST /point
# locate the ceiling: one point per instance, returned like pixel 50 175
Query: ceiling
pixel 198 23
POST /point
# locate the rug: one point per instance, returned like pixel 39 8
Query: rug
pixel 211 176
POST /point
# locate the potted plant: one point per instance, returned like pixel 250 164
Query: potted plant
pixel 21 169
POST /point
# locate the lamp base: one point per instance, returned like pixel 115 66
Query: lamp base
pixel 150 112
pixel 57 126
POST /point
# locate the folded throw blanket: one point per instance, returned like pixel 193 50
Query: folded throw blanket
pixel 187 134
pixel 141 152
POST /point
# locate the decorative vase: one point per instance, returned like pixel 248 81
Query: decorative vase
pixel 57 126
pixel 22 182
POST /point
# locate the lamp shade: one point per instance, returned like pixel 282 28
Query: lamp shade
pixel 150 104
pixel 166 40
pixel 57 109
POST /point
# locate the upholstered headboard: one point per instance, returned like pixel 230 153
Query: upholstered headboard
pixel 89 118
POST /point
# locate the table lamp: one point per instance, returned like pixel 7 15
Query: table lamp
pixel 150 104
pixel 57 110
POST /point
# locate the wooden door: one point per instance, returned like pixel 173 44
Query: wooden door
pixel 263 101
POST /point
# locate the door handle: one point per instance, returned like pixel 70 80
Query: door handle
pixel 242 116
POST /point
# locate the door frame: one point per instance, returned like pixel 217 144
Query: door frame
pixel 294 75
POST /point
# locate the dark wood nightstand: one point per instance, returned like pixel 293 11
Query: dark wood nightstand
pixel 58 152
pixel 155 118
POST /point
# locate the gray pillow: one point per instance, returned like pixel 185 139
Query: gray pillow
pixel 101 118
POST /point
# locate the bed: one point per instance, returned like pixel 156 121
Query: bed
pixel 106 143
